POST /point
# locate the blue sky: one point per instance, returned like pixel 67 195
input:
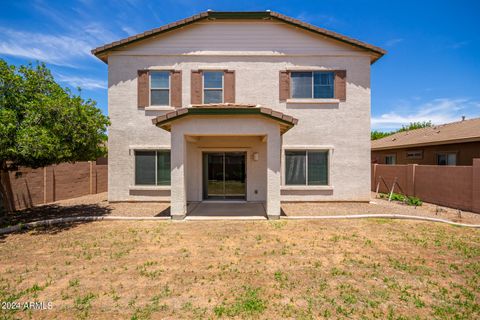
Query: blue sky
pixel 431 70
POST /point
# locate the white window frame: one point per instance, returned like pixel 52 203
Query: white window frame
pixel 414 154
pixel 169 88
pixel 222 88
pixel 313 84
pixel 152 149
pixel 327 148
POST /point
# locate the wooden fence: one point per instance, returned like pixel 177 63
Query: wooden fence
pixel 30 187
pixel 450 186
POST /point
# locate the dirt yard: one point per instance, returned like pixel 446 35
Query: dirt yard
pixel 97 205
pixel 246 269
pixel 379 206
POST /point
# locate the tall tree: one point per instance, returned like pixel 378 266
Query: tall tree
pixel 42 123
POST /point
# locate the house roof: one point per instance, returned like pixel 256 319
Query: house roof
pixel 102 51
pixel 286 122
pixel 455 132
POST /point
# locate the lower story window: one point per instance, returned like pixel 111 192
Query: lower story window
pixel 306 167
pixel 391 159
pixel 152 167
pixel 447 159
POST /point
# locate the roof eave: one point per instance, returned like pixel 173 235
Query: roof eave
pixel 102 51
pixel 165 121
pixel 424 144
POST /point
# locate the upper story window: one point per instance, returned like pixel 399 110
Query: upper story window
pixel 160 88
pixel 212 87
pixel 312 85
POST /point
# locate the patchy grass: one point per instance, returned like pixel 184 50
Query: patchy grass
pixel 385 269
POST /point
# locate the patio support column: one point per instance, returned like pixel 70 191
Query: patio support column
pixel 273 174
pixel 178 197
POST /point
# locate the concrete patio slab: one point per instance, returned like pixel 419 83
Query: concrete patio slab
pixel 226 209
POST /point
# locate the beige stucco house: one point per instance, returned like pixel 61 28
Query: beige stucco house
pixel 246 106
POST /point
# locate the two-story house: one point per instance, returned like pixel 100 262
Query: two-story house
pixel 249 106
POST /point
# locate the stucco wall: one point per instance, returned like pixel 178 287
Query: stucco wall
pixel 344 127
pixel 256 170
pixel 466 152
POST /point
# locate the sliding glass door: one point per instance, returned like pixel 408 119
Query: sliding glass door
pixel 224 175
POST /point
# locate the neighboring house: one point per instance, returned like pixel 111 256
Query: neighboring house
pixel 455 143
pixel 252 106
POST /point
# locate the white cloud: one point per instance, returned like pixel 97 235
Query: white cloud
pixel 54 49
pixel 319 19
pixel 393 42
pixel 83 83
pixel 438 111
pixel 72 40
pixel 129 30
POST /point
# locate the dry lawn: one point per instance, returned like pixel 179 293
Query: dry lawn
pixel 244 269
pixel 97 205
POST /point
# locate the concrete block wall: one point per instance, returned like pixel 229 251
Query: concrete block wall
pixel 451 186
pixel 32 187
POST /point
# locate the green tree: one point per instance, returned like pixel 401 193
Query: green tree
pixel 379 134
pixel 415 125
pixel 374 135
pixel 42 123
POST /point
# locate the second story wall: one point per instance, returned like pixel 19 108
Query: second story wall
pixel 256 52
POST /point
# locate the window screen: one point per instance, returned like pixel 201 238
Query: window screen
pixel 152 167
pixel 301 85
pixel 447 159
pixel 163 168
pixel 295 169
pixel 212 87
pixel 390 159
pixel 145 167
pixel 318 167
pixel 317 85
pixel 306 167
pixel 160 88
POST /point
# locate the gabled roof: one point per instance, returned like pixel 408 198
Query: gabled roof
pixel 286 122
pixel 455 132
pixel 102 51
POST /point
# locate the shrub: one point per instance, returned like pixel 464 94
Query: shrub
pixel 411 201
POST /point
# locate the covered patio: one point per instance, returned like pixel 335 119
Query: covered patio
pixel 225 152
pixel 234 209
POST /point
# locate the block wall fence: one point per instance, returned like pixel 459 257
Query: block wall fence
pixel 32 187
pixel 451 186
